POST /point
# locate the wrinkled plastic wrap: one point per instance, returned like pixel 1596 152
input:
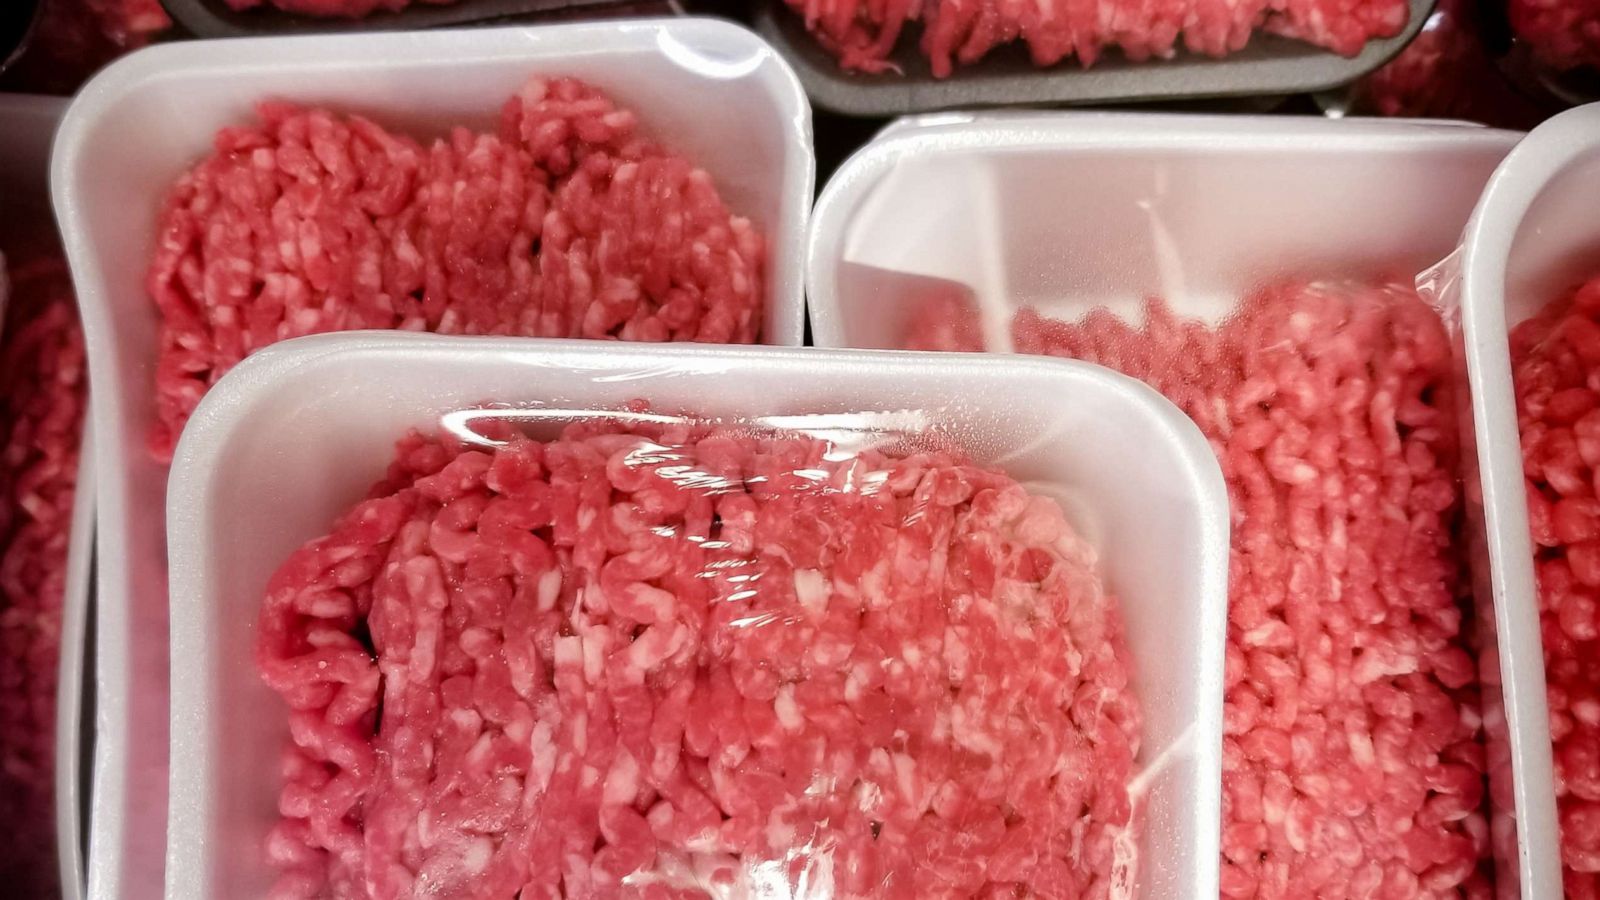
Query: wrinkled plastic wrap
pixel 1279 313
pixel 858 647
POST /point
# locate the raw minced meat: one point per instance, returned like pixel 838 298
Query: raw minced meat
pixel 1556 368
pixel 73 38
pixel 1445 72
pixel 864 34
pixel 567 223
pixel 41 418
pixel 1352 759
pixel 1564 34
pixel 689 661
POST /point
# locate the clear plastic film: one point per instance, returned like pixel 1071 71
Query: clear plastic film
pixel 1264 293
pixel 692 623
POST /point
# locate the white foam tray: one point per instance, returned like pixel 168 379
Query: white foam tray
pixel 710 90
pixel 1534 236
pixel 1064 212
pixel 27 127
pixel 1134 474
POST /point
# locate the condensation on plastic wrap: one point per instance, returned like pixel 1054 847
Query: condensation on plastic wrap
pixel 683 658
pixel 1353 757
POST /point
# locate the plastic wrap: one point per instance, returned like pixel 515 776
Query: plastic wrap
pixel 1528 262
pixel 1278 312
pixel 45 522
pixel 707 90
pixel 694 622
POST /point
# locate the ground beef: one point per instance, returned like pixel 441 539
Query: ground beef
pixel 864 34
pixel 682 661
pixel 1556 369
pixel 1446 72
pixel 1563 34
pixel 567 223
pixel 1352 763
pixel 41 419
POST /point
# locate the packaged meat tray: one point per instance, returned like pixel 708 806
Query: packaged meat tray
pixel 48 533
pixel 563 126
pixel 1525 281
pixel 780 456
pixel 1268 64
pixel 1259 272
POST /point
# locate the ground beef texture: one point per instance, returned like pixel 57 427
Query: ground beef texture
pixel 565 223
pixel 686 661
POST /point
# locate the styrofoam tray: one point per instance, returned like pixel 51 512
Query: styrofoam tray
pixel 27 127
pixel 708 89
pixel 1065 212
pixel 1534 235
pixel 1135 475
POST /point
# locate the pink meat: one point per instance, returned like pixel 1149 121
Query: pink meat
pixel 334 9
pixel 1352 763
pixel 863 33
pixel 41 418
pixel 567 223
pixel 1564 34
pixel 1343 26
pixel 1556 364
pixel 686 662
